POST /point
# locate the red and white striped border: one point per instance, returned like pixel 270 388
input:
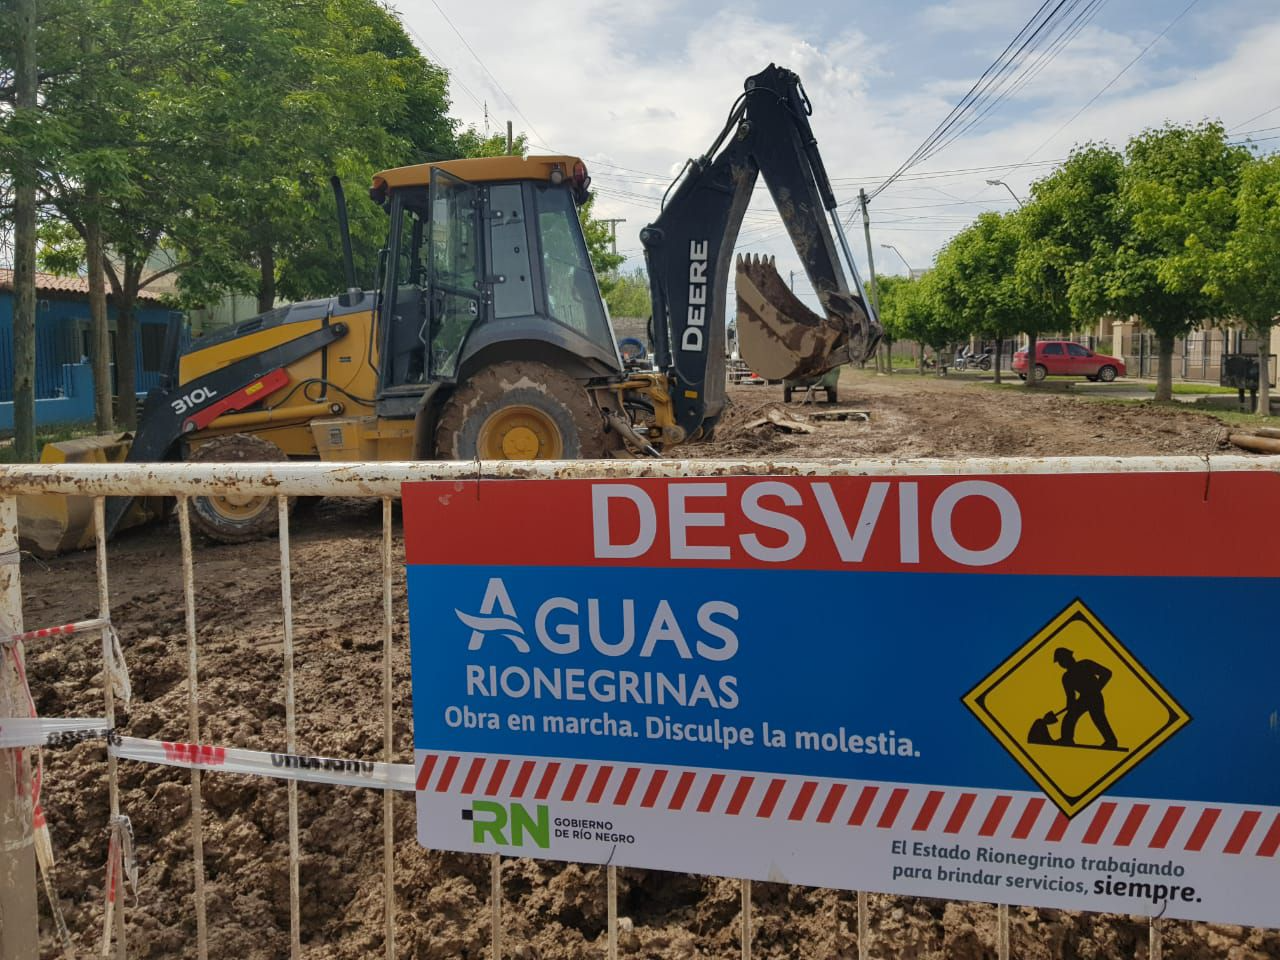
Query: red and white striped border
pixel 948 812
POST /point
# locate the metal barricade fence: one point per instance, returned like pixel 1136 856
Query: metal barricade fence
pixel 21 821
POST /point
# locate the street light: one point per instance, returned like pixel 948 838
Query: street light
pixel 890 246
pixel 1001 183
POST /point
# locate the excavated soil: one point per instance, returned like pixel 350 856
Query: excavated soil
pixel 552 911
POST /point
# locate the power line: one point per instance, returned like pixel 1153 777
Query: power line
pixel 489 74
pixel 1110 83
pixel 1264 113
pixel 1046 57
pixel 999 90
pixel 1027 40
pixel 453 74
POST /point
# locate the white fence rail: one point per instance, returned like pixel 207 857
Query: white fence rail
pixel 21 843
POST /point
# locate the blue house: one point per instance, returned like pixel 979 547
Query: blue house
pixel 64 380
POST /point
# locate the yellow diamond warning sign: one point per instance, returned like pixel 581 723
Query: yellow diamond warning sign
pixel 1075 708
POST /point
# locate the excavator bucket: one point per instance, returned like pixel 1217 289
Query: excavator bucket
pixel 50 524
pixel 782 339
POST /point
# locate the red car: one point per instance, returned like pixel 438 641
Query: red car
pixel 1062 358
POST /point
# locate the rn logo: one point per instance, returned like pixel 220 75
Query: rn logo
pixel 491 819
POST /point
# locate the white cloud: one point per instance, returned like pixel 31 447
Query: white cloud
pixel 645 86
pixel 975 15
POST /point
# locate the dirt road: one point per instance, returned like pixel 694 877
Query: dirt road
pixel 913 416
pixel 553 911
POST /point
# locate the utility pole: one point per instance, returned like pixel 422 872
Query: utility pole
pixel 613 230
pixel 24 244
pixel 871 268
pixel 510 141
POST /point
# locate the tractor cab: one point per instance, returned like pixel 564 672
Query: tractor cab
pixel 486 262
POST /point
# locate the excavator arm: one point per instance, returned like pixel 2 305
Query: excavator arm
pixel 689 253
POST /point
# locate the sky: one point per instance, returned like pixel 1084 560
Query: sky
pixel 636 88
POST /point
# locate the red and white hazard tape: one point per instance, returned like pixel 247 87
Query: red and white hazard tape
pixel 949 812
pixel 283 766
pixel 122 868
pixel 66 629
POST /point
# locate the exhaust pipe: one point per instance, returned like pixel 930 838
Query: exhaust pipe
pixel 354 294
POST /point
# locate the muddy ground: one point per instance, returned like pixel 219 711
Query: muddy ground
pixel 552 911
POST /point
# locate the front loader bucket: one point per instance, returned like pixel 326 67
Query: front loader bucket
pixel 50 524
pixel 782 339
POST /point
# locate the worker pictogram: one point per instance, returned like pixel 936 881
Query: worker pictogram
pixel 1075 708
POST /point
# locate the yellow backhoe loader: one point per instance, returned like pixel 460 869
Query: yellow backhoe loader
pixel 485 336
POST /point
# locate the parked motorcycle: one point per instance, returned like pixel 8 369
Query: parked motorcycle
pixel 972 361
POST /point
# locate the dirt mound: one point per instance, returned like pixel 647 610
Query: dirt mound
pixel 553 911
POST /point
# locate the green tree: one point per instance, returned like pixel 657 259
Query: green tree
pixel 472 143
pixel 913 310
pixel 355 96
pixel 629 296
pixel 1073 214
pixel 1245 274
pixel 1176 206
pixel 977 284
pixel 205 132
pixel 600 247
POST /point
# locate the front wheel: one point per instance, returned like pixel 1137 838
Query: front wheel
pixel 1041 371
pixel 236 518
pixel 1107 374
pixel 520 410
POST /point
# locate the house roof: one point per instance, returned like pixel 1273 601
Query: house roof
pixel 73 286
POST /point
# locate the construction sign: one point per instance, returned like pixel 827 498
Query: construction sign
pixel 1075 661
pixel 1055 689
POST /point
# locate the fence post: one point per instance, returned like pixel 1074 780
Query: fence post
pixel 611 898
pixel 193 726
pixel 388 743
pixel 290 728
pixel 862 926
pixel 18 929
pixel 114 919
pixel 495 903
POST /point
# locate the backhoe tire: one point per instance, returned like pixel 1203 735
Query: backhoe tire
pixel 520 410
pixel 237 519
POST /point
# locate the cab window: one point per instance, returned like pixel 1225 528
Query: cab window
pixel 573 298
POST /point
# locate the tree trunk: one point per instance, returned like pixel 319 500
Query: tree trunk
pixel 1031 361
pixel 19 932
pixel 99 331
pixel 1164 369
pixel 24 249
pixel 920 348
pixel 126 359
pixel 998 358
pixel 1264 372
pixel 888 356
pixel 267 279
